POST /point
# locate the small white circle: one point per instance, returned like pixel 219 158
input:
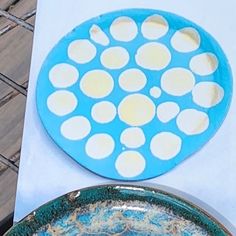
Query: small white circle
pixel 167 111
pixel 155 92
pixel 98 36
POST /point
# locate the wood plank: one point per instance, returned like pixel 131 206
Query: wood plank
pixel 5 4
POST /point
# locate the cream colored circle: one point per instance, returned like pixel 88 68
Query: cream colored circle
pixel 124 29
pixel 167 111
pixel 192 122
pixel 155 92
pixel 177 81
pixel 136 110
pixel 153 56
pixel 154 27
pixel 186 40
pixel 133 137
pixel 132 80
pixel 63 75
pixel 165 145
pixel 100 146
pixel 115 58
pixel 130 164
pixel 76 128
pixel 97 84
pixel 208 94
pixel 62 102
pixel 103 112
pixel 98 36
pixel 204 64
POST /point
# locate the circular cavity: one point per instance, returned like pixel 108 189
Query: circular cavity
pixel 155 92
pixel 132 80
pixel 62 102
pixel 63 75
pixel 136 110
pixel 186 40
pixel 154 27
pixel 153 56
pixel 177 81
pixel 103 112
pixel 98 36
pixel 82 51
pixel 165 145
pixel 75 128
pixel 192 122
pixel 124 29
pixel 100 146
pixel 97 84
pixel 207 94
pixel 132 137
pixel 167 111
pixel 204 64
pixel 130 164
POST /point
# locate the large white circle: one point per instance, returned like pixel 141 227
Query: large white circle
pixel 186 40
pixel 153 56
pixel 177 81
pixel 97 84
pixel 76 128
pixel 133 137
pixel 62 102
pixel 103 112
pixel 204 64
pixel 136 110
pixel 98 36
pixel 167 111
pixel 82 51
pixel 192 122
pixel 154 27
pixel 207 94
pixel 165 145
pixel 132 80
pixel 100 146
pixel 130 164
pixel 124 29
pixel 63 75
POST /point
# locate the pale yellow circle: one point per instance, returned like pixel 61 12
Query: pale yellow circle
pixel 153 56
pixel 115 58
pixel 98 36
pixel 97 84
pixel 186 40
pixel 208 94
pixel 154 27
pixel 165 145
pixel 132 80
pixel 82 51
pixel 130 164
pixel 177 81
pixel 62 102
pixel 167 111
pixel 124 29
pixel 136 110
pixel 155 92
pixel 192 122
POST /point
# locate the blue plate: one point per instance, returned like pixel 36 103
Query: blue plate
pixel 133 93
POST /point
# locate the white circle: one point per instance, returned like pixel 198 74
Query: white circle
pixel 62 102
pixel 136 110
pixel 207 94
pixel 76 128
pixel 154 27
pixel 133 137
pixel 130 164
pixel 97 84
pixel 115 58
pixel 153 56
pixel 132 80
pixel 177 81
pixel 155 92
pixel 103 112
pixel 192 122
pixel 124 29
pixel 186 40
pixel 98 36
pixel 100 146
pixel 63 75
pixel 204 64
pixel 167 111
pixel 165 145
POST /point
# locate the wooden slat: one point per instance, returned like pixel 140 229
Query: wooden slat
pixel 5 4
